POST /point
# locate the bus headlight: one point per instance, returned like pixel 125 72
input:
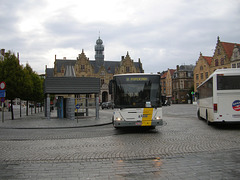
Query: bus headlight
pixel 158 118
pixel 118 119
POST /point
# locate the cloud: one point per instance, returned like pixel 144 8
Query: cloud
pixel 161 33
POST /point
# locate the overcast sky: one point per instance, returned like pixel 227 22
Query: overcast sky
pixel 162 33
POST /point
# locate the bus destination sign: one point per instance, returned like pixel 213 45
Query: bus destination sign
pixel 137 79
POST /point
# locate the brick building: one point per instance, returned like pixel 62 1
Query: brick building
pixel 201 70
pixel 226 55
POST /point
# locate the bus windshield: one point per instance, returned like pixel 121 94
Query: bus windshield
pixel 137 91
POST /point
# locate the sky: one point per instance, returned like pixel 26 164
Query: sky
pixel 161 33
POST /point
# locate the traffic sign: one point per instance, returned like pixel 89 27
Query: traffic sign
pixel 2 93
pixel 2 85
pixel 77 106
pixel 2 99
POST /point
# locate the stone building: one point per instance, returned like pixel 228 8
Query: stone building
pixel 235 59
pixel 226 55
pixel 82 66
pixel 182 84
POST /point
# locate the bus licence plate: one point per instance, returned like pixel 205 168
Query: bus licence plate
pixel 236 116
pixel 138 123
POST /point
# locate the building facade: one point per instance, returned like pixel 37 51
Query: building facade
pixel 235 59
pixel 169 87
pixel 226 55
pixel 182 84
pixel 163 84
pixel 202 70
pixel 99 68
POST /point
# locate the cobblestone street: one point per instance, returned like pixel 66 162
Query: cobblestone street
pixel 184 148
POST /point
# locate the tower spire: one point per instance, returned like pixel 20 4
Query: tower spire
pixel 99 52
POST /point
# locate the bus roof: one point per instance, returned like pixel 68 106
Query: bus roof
pixel 229 71
pixel 138 74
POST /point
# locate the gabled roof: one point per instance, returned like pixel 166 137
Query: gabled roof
pixel 208 59
pixel 108 65
pixel 164 75
pixel 228 47
pixel 172 71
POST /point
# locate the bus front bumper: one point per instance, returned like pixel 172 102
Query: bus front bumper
pixel 137 123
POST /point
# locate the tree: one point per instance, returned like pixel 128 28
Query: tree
pixel 37 96
pixel 27 85
pixel 11 74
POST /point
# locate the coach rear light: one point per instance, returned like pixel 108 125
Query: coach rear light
pixel 215 108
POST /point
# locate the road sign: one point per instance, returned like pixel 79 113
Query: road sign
pixel 2 85
pixel 77 106
pixel 2 93
pixel 2 99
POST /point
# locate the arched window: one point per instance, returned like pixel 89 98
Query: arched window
pixel 216 62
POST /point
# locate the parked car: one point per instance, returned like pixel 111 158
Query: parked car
pixel 107 105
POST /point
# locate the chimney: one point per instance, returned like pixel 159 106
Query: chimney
pixel 64 58
pixel 3 52
pixel 177 67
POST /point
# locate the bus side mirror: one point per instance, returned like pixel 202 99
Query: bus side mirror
pixel 110 86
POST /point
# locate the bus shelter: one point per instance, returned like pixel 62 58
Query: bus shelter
pixel 72 93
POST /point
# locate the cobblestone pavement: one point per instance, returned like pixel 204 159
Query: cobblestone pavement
pixel 184 148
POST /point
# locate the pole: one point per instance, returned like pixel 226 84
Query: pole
pixel 97 106
pixel 20 108
pixel 2 112
pixel 77 115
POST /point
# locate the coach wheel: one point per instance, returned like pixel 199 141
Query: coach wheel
pixel 208 122
pixel 198 115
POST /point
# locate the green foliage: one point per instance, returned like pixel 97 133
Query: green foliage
pixel 11 73
pixel 21 82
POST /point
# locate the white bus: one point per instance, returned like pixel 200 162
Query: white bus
pixel 219 97
pixel 137 100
